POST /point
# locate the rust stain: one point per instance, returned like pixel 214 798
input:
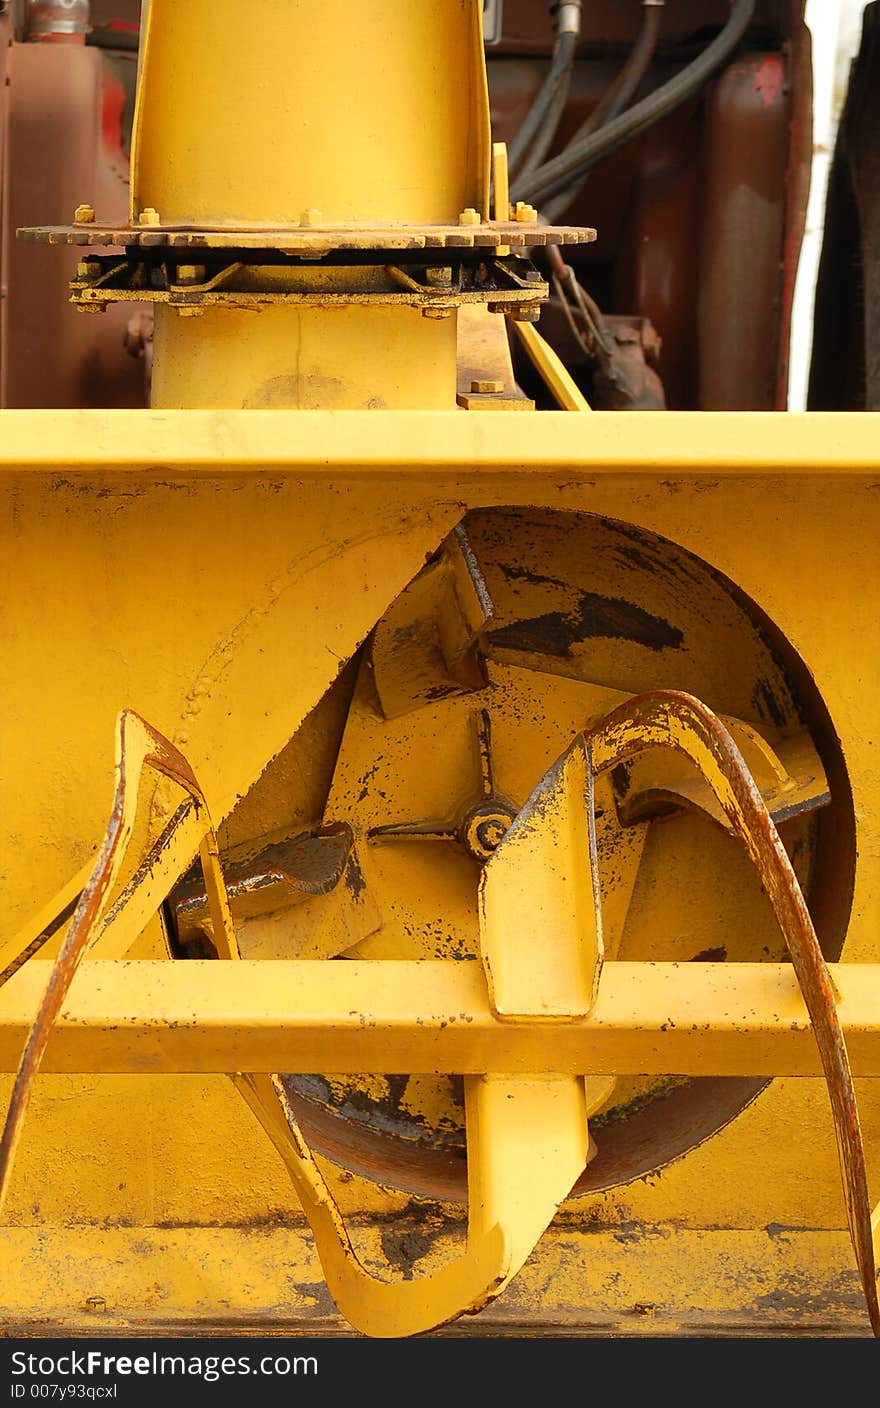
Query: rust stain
pixel 768 80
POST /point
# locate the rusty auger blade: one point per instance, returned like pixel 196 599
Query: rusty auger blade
pixel 139 748
pixel 668 719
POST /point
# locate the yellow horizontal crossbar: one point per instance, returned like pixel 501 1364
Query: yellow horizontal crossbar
pixel 426 1017
pixel 411 443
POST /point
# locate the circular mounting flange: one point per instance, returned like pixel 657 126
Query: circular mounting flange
pixel 484 828
pixel 312 242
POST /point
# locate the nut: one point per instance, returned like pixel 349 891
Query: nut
pixel 84 214
pixel 437 311
pixel 485 387
pixel 469 216
pixel 312 216
pixel 96 1305
pixel 149 216
pixel 526 214
pixel 191 273
pixel 439 274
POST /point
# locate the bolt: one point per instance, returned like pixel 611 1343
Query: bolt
pixel 96 1305
pixel 481 387
pixel 84 214
pixel 191 273
pixel 191 310
pixel 490 834
pixel 534 276
pixel 91 307
pixel 484 828
pixel 149 216
pixel 88 269
pixel 523 212
pixel 527 313
pixel 311 217
pixel 437 311
pixel 469 216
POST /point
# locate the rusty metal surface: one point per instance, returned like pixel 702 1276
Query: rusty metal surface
pixel 504 284
pixel 656 262
pixel 747 136
pixel 619 354
pixel 627 378
pixel 311 241
pixel 67 103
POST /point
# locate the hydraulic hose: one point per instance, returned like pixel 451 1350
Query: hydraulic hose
pixel 547 108
pixel 621 94
pixel 581 155
pixel 615 101
pixel 544 139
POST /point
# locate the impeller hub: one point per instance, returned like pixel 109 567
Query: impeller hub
pixel 484 827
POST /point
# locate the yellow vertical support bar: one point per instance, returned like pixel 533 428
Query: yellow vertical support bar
pixel 527 1144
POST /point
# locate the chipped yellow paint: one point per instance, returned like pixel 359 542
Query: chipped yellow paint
pixel 596 1276
pixel 180 1129
pixel 217 569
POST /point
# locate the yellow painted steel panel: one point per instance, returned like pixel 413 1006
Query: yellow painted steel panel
pixel 249 139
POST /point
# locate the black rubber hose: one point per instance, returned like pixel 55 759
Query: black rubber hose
pixel 616 101
pixel 557 79
pixel 580 156
pixel 636 65
pixel 124 40
pixel 544 139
